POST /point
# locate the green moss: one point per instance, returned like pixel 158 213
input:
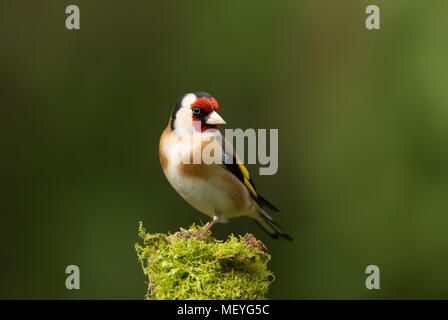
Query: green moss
pixel 182 267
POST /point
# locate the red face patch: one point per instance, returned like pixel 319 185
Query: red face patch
pixel 206 104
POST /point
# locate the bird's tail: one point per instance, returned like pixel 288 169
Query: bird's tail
pixel 270 226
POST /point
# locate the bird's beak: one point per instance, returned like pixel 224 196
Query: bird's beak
pixel 214 118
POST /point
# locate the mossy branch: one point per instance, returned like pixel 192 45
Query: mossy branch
pixel 183 267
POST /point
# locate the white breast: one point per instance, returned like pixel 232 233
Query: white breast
pixel 205 195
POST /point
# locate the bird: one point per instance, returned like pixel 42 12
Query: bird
pixel 220 189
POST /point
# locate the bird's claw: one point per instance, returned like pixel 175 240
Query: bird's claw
pixel 190 234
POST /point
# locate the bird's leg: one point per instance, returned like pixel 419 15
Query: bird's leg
pixel 204 230
pixel 207 227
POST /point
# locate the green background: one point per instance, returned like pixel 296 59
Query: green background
pixel 363 135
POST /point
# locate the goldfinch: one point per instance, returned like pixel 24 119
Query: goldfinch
pixel 221 190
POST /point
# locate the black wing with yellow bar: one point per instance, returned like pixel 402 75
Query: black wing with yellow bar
pixel 240 171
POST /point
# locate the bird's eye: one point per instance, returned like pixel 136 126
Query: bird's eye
pixel 196 110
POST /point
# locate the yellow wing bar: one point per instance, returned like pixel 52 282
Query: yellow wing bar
pixel 247 180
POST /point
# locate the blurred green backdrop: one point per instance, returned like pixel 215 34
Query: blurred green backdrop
pixel 362 118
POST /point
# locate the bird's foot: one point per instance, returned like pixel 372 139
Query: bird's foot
pixel 189 234
pixel 200 234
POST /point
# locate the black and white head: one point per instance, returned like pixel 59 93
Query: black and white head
pixel 197 111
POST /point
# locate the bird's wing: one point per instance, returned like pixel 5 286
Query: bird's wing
pixel 234 165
